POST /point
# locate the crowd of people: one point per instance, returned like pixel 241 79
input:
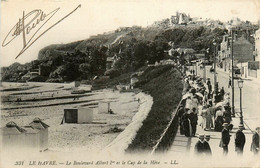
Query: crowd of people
pixel 198 101
pixel 213 107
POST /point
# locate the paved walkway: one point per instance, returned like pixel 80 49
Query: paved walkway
pixel 180 144
pixel 183 148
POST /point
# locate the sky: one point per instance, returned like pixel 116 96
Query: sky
pixel 99 16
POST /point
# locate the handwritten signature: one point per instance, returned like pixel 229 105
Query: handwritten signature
pixel 31 24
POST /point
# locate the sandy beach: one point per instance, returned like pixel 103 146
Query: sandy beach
pixel 48 101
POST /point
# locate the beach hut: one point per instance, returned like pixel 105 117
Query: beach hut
pixel 79 115
pixel 31 137
pixel 42 128
pixel 103 107
pixel 12 135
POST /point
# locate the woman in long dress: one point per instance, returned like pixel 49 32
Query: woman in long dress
pixel 203 115
pixel 209 122
pixel 186 124
pixel 219 120
pixel 255 141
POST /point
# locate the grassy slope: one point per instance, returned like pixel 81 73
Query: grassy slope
pixel 164 84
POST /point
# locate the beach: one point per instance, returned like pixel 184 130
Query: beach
pixel 47 101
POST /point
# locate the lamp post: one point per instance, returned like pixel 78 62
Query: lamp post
pixel 240 85
pixel 215 76
pixel 232 75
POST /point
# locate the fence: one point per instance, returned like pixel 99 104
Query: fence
pixel 169 133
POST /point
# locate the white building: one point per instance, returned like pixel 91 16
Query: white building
pixel 257 45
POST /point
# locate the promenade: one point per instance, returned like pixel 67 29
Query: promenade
pixel 183 147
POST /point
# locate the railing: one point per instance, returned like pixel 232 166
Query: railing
pixel 167 135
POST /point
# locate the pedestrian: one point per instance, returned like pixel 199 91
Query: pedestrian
pixel 227 115
pixel 255 141
pixel 203 115
pixel 195 103
pixel 180 114
pixel 210 88
pixel 110 111
pixel 212 113
pixel 225 139
pixel 209 121
pixel 229 83
pixel 219 120
pixel 188 104
pixel 206 146
pixel 240 140
pixel 208 82
pixel 222 93
pixel 186 124
pixel 227 98
pixel 193 121
pixel 205 97
pixel 199 146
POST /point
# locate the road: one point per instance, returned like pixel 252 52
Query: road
pixel 250 96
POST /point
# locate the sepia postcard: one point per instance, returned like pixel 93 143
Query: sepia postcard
pixel 129 83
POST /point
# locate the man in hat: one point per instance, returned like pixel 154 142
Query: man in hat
pixel 255 141
pixel 240 140
pixel 207 149
pixel 199 146
pixel 225 138
pixel 193 121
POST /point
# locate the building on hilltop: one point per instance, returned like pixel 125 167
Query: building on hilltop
pixel 180 18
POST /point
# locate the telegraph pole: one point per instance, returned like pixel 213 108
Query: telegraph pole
pixel 232 76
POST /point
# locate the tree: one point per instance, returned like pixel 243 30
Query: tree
pixel 84 70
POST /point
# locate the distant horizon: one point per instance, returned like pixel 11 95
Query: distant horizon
pixel 107 16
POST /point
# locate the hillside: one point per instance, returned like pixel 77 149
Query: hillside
pixel 131 48
pixel 164 84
